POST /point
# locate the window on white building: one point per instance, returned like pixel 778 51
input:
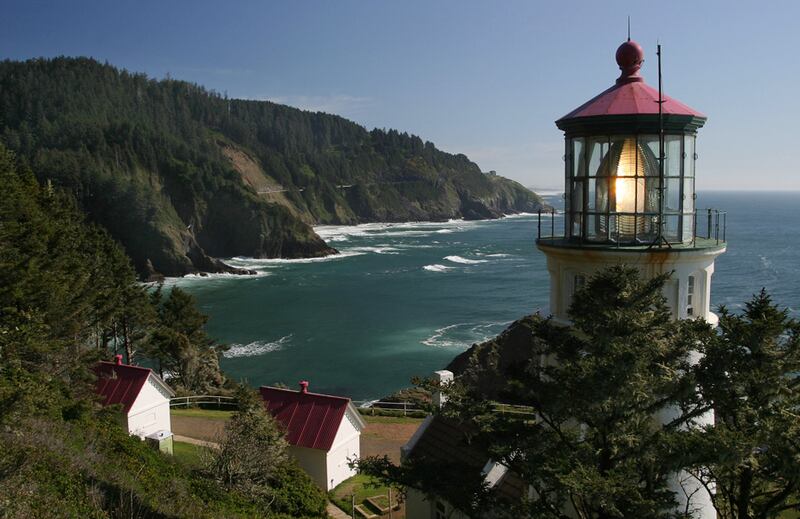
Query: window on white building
pixel 690 297
pixel 441 510
pixel 579 282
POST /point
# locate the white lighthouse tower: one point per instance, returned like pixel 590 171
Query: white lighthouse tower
pixel 630 199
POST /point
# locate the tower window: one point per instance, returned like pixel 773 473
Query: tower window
pixel 690 296
pixel 579 282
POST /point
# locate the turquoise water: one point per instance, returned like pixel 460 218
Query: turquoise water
pixel 404 299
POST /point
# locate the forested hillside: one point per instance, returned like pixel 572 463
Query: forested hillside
pixel 180 175
pixel 68 298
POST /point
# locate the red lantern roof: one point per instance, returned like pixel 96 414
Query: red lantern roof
pixel 311 419
pixel 630 95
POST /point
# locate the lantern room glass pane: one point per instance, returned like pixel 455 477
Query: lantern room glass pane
pixel 650 144
pixel 688 227
pixel 672 222
pixel 578 158
pixel 596 227
pixel 688 195
pixel 576 225
pixel 688 156
pixel 672 195
pixel 598 149
pixel 601 195
pixel 673 156
pixel 577 196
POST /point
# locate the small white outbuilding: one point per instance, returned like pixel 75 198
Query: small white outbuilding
pixel 144 398
pixel 323 431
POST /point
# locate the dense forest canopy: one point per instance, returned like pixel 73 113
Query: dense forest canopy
pixel 179 174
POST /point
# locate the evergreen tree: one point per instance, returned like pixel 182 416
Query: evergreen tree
pixel 181 346
pixel 750 376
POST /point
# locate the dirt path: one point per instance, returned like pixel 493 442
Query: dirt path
pixel 195 441
pixel 335 512
pixel 198 428
pixel 379 438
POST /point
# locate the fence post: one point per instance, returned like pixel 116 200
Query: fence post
pixel 724 225
pixel 539 233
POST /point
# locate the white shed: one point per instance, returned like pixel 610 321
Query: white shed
pixel 323 431
pixel 143 395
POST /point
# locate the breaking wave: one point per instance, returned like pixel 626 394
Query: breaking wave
pixel 194 278
pixel 255 348
pixel 463 261
pixel 436 268
pixel 462 335
pixel 340 233
pixel 255 263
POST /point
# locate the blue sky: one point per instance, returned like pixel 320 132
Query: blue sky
pixel 482 78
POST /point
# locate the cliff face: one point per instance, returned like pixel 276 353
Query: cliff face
pixel 180 175
pixel 487 366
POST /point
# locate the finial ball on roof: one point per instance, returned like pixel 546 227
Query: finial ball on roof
pixel 630 57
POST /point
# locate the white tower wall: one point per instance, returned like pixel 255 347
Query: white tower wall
pixel 568 267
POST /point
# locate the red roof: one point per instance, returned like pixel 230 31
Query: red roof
pixel 631 98
pixel 311 419
pixel 120 383
pixel 630 95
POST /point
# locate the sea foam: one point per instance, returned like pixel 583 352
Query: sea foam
pixel 255 348
pixel 436 268
pixel 463 261
pixel 197 278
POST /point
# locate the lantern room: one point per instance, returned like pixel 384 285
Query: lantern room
pixel 615 192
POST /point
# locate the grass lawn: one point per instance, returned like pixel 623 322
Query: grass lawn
pixel 391 419
pixel 188 454
pixel 195 412
pixel 363 487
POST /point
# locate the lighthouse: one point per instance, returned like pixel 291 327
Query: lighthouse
pixel 629 192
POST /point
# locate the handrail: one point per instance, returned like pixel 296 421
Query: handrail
pixel 716 226
pixel 372 405
pixel 186 401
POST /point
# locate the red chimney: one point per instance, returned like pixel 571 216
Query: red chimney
pixel 304 386
pixel 119 359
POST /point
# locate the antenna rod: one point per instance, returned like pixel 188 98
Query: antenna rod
pixel 629 28
pixel 660 152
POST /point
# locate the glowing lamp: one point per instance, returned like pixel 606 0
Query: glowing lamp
pixel 629 187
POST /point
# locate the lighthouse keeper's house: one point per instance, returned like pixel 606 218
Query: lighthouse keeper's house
pixel 323 431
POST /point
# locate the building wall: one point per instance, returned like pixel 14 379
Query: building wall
pixel 564 264
pixel 150 411
pixel 346 447
pixel 338 459
pixel 313 462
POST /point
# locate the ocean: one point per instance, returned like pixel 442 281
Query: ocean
pixel 404 299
